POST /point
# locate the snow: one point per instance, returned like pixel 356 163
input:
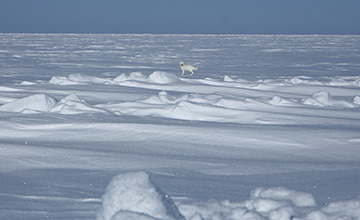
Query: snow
pixel 31 104
pixel 41 103
pixel 135 193
pixel 323 98
pixel 134 196
pixel 105 127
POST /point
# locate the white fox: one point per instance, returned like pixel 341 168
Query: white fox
pixel 188 68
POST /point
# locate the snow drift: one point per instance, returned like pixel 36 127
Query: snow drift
pixel 31 104
pixel 42 103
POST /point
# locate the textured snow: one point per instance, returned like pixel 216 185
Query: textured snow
pixel 105 126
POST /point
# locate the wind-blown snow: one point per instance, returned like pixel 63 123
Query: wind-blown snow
pixel 104 126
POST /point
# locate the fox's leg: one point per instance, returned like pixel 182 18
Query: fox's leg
pixel 192 72
pixel 182 72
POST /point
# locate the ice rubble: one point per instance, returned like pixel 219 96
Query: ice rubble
pixel 133 196
pixel 230 100
pixel 160 77
pixel 81 79
pixel 323 98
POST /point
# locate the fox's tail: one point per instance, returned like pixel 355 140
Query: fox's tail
pixel 196 68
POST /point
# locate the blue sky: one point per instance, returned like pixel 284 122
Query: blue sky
pixel 181 16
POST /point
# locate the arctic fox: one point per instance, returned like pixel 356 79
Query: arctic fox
pixel 188 68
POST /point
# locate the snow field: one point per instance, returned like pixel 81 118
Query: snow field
pixel 268 128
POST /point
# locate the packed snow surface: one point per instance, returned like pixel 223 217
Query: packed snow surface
pixel 105 127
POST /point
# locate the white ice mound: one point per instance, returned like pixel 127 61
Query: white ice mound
pixel 78 79
pixel 299 199
pixel 163 77
pixel 279 101
pixel 323 98
pixel 302 80
pixel 42 103
pixel 31 104
pixel 228 79
pixel 134 76
pixel 62 80
pixel 133 196
pixel 72 104
pixel 156 77
pixel 276 203
pixel 357 100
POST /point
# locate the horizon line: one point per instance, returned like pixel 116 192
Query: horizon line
pixel 94 33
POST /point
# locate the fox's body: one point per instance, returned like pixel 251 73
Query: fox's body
pixel 188 68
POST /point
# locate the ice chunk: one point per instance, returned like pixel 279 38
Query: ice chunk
pixel 299 199
pixel 357 100
pixel 134 196
pixel 228 79
pixel 323 98
pixel 27 83
pixel 344 208
pixel 121 78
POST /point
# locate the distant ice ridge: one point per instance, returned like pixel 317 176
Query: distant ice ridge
pixel 81 79
pixel 161 77
pixel 133 196
pixel 294 101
